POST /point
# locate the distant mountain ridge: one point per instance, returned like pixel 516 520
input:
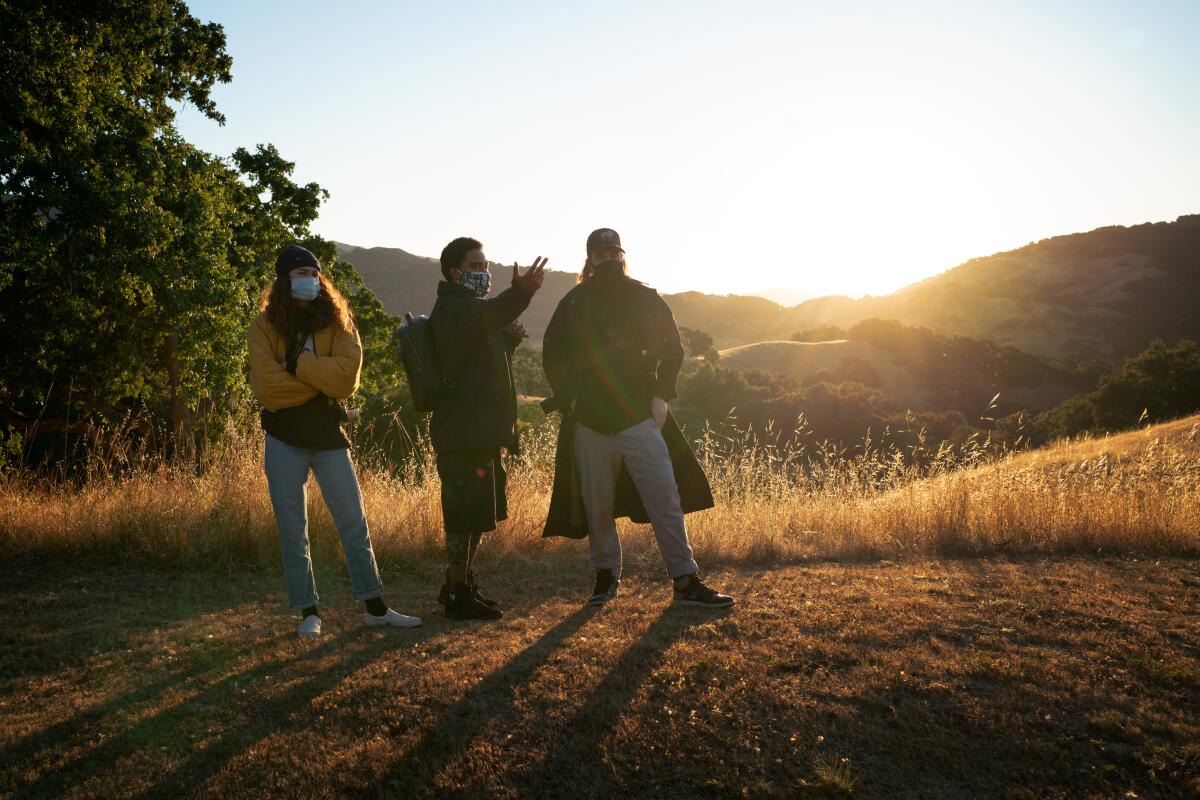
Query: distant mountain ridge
pixel 407 282
pixel 1096 297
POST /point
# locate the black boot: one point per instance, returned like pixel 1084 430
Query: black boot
pixel 475 591
pixel 463 605
pixel 444 592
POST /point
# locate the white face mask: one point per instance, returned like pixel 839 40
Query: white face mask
pixel 478 282
pixel 306 287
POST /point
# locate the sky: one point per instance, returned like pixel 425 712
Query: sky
pixel 822 148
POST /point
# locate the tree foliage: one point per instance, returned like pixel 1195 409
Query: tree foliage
pixel 130 261
pixel 697 344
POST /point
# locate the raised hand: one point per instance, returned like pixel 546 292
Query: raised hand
pixel 531 281
pixel 517 330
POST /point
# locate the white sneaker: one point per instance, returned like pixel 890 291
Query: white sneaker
pixel 393 618
pixel 310 626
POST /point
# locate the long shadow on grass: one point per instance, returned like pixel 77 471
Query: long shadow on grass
pixel 96 615
pixel 471 715
pixel 575 764
pixel 167 725
pixel 289 711
pixel 72 613
pixel 61 734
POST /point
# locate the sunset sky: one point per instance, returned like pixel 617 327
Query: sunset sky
pixel 819 147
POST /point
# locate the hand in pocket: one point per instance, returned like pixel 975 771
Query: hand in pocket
pixel 658 410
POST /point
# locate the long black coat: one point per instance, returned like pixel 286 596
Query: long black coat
pixel 564 358
pixel 566 516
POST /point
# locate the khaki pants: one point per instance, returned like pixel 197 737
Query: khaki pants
pixel 644 453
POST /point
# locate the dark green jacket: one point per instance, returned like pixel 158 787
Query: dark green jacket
pixel 569 356
pixel 610 347
pixel 480 410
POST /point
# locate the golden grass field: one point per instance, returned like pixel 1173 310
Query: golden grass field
pixel 1020 625
pixel 1136 492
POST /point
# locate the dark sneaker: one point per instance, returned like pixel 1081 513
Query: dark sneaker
pixel 463 605
pixel 606 587
pixel 695 593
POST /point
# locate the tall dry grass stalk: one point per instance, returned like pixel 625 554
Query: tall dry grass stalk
pixel 1136 492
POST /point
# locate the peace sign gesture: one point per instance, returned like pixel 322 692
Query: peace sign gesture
pixel 531 281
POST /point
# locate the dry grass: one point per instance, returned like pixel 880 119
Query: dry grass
pixel 1138 492
pixel 143 655
pixel 1038 678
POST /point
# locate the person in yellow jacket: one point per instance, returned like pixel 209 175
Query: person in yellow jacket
pixel 305 358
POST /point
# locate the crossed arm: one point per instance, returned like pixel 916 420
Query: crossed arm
pixel 335 375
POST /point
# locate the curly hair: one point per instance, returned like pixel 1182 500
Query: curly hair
pixel 295 319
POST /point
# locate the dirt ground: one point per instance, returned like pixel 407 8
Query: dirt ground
pixel 1038 678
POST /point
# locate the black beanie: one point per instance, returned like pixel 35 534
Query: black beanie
pixel 294 256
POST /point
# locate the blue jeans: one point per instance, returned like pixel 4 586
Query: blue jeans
pixel 287 470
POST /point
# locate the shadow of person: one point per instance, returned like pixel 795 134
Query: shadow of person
pixel 466 719
pixel 161 725
pixel 575 764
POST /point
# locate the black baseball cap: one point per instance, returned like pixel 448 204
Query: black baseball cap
pixel 601 238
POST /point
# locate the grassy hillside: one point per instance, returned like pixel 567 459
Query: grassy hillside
pixel 1096 297
pixel 995 675
pixel 1120 454
pixel 922 373
pixel 1138 492
pixel 802 359
pixel 1014 625
pixel 730 319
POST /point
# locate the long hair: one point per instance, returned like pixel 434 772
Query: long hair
pixel 293 319
pixel 588 272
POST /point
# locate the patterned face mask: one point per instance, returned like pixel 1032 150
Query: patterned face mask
pixel 478 282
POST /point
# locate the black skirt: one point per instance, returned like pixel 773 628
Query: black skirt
pixel 473 489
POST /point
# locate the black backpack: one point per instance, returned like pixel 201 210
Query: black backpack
pixel 415 346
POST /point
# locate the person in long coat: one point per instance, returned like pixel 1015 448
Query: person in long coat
pixel 612 356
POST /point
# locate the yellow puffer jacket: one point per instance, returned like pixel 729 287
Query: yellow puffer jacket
pixel 333 370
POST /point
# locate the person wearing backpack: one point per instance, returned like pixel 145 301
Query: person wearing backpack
pixel 612 355
pixel 305 358
pixel 476 415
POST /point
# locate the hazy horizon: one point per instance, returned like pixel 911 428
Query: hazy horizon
pixel 824 151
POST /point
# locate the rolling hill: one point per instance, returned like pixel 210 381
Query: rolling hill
pixel 911 384
pixel 1101 295
pixel 406 282
pixel 803 359
pixel 1096 297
